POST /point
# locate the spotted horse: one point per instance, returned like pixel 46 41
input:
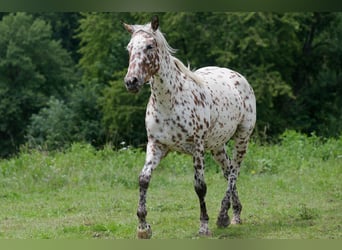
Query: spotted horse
pixel 190 112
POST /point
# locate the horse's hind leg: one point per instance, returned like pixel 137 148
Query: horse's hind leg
pixel 231 169
pixel 222 159
pixel 241 139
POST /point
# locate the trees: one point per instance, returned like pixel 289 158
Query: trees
pixel 64 121
pixel 33 67
pixel 64 29
pixel 103 63
pixel 102 46
pixel 292 60
pixel 317 79
pixel 247 42
pixel 124 113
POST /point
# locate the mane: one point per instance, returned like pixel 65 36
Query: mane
pixel 161 41
pixel 187 71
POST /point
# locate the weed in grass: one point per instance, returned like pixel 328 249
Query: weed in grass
pixel 306 213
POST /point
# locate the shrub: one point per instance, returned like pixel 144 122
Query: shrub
pixel 51 128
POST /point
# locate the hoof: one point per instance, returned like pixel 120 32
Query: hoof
pixel 223 221
pixel 204 229
pixel 144 233
pixel 236 221
pixel 204 233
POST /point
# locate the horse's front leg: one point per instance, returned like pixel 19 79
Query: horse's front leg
pixel 201 190
pixel 154 153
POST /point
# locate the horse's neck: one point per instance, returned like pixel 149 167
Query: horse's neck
pixel 165 84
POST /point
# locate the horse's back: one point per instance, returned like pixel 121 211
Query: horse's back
pixel 216 76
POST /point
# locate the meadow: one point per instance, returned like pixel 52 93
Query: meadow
pixel 289 190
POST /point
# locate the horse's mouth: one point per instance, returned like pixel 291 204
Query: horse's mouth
pixel 133 88
pixel 133 84
pixel 134 91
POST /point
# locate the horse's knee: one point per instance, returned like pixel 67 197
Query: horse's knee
pixel 200 185
pixel 201 189
pixel 144 181
pixel 141 213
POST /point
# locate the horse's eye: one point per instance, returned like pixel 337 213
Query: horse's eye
pixel 150 46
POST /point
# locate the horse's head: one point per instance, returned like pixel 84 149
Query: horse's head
pixel 143 54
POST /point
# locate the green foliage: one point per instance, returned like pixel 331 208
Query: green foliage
pixel 317 80
pixel 64 26
pixel 103 62
pixel 292 60
pixel 103 41
pixel 33 67
pixel 306 213
pixel 51 128
pixel 87 114
pixel 277 52
pixel 279 55
pixel 295 150
pixel 81 165
pixel 124 113
pixel 60 124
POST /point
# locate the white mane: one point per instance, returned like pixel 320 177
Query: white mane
pixel 187 71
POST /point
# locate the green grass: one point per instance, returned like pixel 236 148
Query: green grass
pixel 291 190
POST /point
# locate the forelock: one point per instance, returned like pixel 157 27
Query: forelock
pixel 157 35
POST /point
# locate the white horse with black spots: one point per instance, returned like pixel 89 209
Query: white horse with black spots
pixel 189 112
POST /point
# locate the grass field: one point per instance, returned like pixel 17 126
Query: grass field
pixel 291 190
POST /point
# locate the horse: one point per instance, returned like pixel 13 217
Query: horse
pixel 191 112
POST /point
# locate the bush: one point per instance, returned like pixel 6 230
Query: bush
pixel 60 124
pixel 51 128
pixel 124 113
pixel 33 67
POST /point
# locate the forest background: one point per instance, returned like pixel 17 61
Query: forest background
pixel 61 74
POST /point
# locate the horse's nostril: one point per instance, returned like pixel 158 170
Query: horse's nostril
pixel 135 80
pixel 131 82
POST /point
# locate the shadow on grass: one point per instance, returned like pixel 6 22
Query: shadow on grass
pixel 281 228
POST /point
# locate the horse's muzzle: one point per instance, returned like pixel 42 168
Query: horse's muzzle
pixel 132 84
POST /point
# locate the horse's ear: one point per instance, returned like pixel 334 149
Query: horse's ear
pixel 155 23
pixel 128 27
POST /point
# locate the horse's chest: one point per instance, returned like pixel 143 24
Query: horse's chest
pixel 178 127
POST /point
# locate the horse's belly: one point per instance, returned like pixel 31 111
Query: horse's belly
pixel 217 137
pixel 172 140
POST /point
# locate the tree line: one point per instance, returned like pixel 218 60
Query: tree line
pixel 61 74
